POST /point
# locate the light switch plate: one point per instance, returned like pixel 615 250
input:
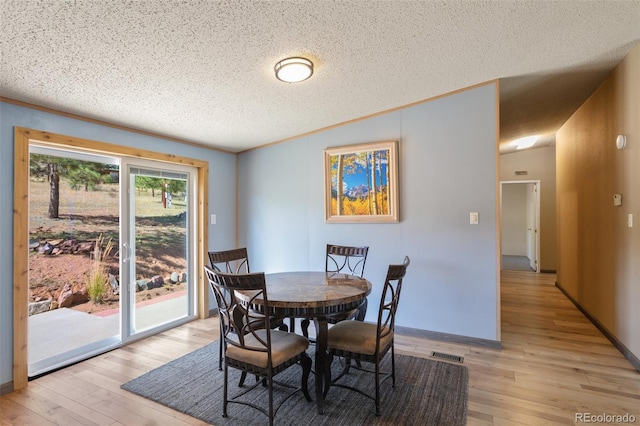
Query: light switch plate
pixel 213 219
pixel 473 218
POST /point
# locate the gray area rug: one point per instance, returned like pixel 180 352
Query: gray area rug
pixel 427 392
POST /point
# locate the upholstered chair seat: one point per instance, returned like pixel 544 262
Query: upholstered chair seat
pixel 284 346
pixel 357 336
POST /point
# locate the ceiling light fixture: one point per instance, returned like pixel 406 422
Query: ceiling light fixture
pixel 526 142
pixel 293 70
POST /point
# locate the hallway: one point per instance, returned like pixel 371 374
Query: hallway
pixel 554 364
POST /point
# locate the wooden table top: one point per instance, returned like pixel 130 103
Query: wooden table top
pixel 314 292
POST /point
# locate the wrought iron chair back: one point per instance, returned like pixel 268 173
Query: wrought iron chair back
pixel 233 261
pixel 389 301
pixel 345 259
pixel 238 319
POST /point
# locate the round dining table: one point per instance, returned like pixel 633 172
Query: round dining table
pixel 317 296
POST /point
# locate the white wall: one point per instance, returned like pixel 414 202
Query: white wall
pixel 514 219
pixel 448 168
pixel 222 194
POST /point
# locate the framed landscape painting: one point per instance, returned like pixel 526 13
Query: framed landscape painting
pixel 361 183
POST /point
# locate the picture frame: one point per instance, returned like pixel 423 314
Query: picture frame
pixel 367 176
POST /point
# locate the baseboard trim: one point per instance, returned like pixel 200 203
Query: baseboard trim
pixel 451 338
pixel 548 271
pixel 6 388
pixel 610 336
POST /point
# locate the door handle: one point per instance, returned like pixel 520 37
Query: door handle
pixel 127 252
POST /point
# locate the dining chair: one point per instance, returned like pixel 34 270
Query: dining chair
pixel 369 342
pixel 351 259
pixel 251 346
pixel 233 261
pixel 348 260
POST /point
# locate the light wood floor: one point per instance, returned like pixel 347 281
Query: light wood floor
pixel 554 363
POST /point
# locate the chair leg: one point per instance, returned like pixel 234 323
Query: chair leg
pixel 243 377
pixel 345 369
pixel 304 326
pixel 305 363
pixel 220 354
pixel 347 366
pixel 377 386
pixel 327 373
pixel 225 391
pixel 270 380
pixel 393 367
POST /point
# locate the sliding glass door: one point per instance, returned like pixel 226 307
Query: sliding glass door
pixel 112 252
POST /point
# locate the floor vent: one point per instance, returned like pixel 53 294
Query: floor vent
pixel 448 357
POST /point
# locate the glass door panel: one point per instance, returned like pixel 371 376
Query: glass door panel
pixel 74 298
pixel 159 248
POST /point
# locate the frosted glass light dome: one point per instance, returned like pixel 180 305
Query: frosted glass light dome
pixel 294 70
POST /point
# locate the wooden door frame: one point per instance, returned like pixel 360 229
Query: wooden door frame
pixel 22 138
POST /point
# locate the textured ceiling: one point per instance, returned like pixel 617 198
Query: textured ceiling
pixel 202 71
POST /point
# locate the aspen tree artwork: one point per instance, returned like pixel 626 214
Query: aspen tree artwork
pixel 361 183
